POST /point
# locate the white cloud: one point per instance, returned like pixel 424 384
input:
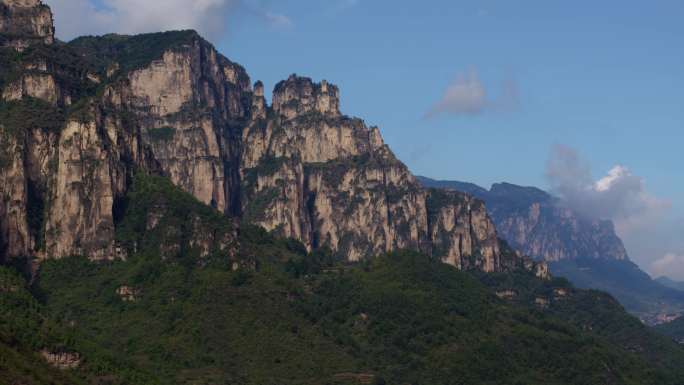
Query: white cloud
pixel 670 265
pixel 84 17
pixel 278 20
pixel 642 220
pixel 467 95
pixel 620 195
pixel 614 176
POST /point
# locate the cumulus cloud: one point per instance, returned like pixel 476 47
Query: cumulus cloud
pixel 671 265
pixel 467 95
pixel 87 17
pixel 642 220
pixel 620 195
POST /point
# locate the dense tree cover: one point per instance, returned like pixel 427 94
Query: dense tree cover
pixel 22 116
pixel 623 279
pixel 128 52
pixel 674 329
pixel 271 313
pixel 27 329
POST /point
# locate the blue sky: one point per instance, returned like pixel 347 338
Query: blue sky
pixel 603 78
pixel 607 80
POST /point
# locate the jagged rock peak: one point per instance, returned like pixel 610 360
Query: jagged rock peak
pixel 259 88
pixel 538 224
pixel 300 95
pixel 258 101
pixel 25 22
pixel 21 3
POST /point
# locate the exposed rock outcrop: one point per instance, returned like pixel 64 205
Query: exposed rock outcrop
pixel 537 224
pixel 62 360
pixel 299 168
pixel 299 95
pixel 35 85
pixel 329 180
pixel 172 116
pixel 128 293
pixel 25 22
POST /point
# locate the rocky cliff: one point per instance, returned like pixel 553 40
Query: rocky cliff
pixel 584 250
pixel 80 119
pixel 25 22
pixel 311 173
pixel 537 224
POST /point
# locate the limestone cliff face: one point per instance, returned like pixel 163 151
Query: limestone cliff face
pixel 299 168
pixel 538 225
pixel 555 233
pixel 462 230
pixel 311 173
pixel 14 235
pixel 34 85
pixel 25 22
pixel 176 115
pixel 171 117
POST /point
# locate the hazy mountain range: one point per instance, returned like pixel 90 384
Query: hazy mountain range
pixel 585 250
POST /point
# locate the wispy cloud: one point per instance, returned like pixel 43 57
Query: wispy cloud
pixel 278 20
pixel 210 17
pixel 467 95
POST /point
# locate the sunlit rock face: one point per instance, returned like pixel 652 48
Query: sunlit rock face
pixel 539 225
pixel 25 22
pixel 313 174
pixel 175 107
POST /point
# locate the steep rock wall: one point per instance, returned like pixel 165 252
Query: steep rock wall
pixel 539 225
pixel 25 22
pixel 169 104
pixel 313 174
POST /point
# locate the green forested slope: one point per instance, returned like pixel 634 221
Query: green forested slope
pixel 272 314
pixel 674 329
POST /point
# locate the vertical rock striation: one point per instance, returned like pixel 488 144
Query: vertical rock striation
pixel 313 174
pixel 25 22
pixel 537 224
pixel 169 104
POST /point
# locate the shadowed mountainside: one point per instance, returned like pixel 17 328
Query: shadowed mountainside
pixel 584 250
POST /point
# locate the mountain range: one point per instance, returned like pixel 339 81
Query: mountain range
pixel 161 223
pixel 587 251
pixel 665 281
pixel 101 108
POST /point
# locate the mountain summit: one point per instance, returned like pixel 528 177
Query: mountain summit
pixel 161 223
pixel 79 119
pixel 587 251
pixel 25 22
pixel 537 224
